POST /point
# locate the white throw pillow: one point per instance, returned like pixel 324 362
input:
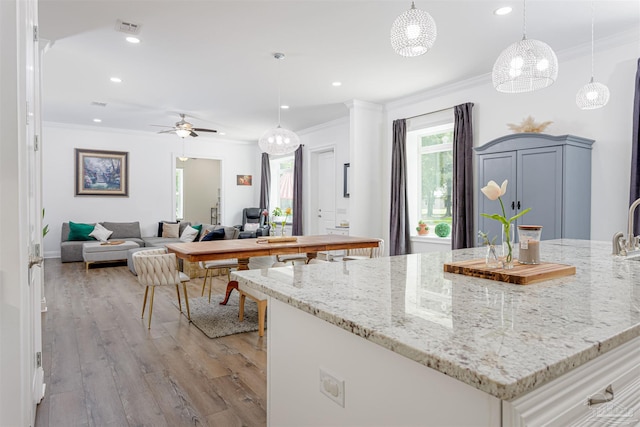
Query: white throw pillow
pixel 189 234
pixel 100 233
pixel 253 226
pixel 170 230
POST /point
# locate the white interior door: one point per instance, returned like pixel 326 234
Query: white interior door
pixel 34 208
pixel 325 215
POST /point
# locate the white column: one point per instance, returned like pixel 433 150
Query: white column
pixel 366 205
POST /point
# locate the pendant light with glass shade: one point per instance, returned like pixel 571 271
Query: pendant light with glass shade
pixel 592 95
pixel 413 33
pixel 279 141
pixel 526 65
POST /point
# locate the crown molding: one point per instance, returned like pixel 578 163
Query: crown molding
pixel 336 122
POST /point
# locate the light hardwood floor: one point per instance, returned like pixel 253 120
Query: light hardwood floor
pixel 103 367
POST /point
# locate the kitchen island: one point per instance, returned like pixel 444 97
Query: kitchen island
pixel 396 341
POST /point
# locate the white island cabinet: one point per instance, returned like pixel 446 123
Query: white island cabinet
pixel 398 342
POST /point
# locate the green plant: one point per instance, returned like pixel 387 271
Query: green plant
pixel 495 192
pixel 276 211
pixel 420 223
pixel 443 229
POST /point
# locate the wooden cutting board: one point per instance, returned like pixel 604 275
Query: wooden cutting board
pixel 520 274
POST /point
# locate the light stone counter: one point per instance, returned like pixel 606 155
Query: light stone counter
pixel 500 338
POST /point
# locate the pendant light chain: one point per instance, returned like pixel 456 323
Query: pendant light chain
pixel 279 57
pixel 593 11
pixel 524 20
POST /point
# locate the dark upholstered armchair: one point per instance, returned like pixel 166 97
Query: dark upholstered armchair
pixel 253 216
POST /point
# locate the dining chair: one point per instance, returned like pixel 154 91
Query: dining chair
pixel 157 268
pixel 221 264
pixel 365 253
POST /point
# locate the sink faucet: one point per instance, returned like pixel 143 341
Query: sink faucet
pixel 631 239
pixel 622 246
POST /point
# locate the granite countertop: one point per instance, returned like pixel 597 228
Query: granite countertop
pixel 500 338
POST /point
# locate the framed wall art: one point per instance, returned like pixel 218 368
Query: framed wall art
pixel 102 173
pixel 243 179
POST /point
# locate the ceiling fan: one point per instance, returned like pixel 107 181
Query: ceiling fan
pixel 183 128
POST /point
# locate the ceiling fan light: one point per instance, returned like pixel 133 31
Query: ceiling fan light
pixel 592 95
pixel 413 33
pixel 279 141
pixel 525 66
pixel 183 133
pixel 183 159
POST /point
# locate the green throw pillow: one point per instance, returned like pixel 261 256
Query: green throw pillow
pixel 78 231
pixel 199 228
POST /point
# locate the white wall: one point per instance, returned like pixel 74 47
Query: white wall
pixel 610 126
pixel 152 160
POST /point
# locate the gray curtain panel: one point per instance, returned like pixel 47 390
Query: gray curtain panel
pixel 297 193
pixel 462 233
pixel 634 189
pixel 265 182
pixel 399 237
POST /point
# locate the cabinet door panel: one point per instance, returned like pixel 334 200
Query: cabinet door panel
pixel 496 167
pixel 539 187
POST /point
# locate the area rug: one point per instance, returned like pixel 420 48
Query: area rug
pixel 216 320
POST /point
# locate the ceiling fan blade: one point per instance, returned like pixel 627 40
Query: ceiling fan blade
pixel 168 131
pixel 162 126
pixel 193 134
pixel 205 130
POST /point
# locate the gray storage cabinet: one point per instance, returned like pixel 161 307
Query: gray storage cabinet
pixel 549 174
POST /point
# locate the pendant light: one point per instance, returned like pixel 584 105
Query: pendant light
pixel 526 65
pixel 279 141
pixel 592 95
pixel 413 33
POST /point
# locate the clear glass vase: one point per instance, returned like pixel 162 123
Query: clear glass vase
pixel 507 246
pixel 282 232
pixel 491 259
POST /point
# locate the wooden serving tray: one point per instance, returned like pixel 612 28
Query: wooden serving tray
pixel 277 239
pixel 521 274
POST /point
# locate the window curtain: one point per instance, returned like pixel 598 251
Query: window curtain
pixel 265 182
pixel 399 237
pixel 634 189
pixel 297 193
pixel 462 195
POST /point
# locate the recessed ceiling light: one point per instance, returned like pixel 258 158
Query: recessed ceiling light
pixel 97 120
pixel 116 79
pixel 133 40
pixel 502 11
pixel 336 84
pixel 284 107
pixel 222 133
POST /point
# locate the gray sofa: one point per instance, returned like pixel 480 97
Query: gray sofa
pixel 71 250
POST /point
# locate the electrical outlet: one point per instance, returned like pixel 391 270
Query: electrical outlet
pixel 332 387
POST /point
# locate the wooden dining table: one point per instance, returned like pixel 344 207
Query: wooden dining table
pixel 244 249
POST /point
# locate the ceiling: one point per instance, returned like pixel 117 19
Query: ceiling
pixel 213 60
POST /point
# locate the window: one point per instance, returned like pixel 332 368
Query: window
pixel 179 194
pixel 430 173
pixel 281 183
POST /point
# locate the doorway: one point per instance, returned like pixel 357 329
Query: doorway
pixel 323 185
pixel 198 184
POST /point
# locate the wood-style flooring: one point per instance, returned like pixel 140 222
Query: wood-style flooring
pixel 103 367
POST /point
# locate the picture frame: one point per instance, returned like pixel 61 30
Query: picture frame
pixel 244 180
pixel 345 188
pixel 101 173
